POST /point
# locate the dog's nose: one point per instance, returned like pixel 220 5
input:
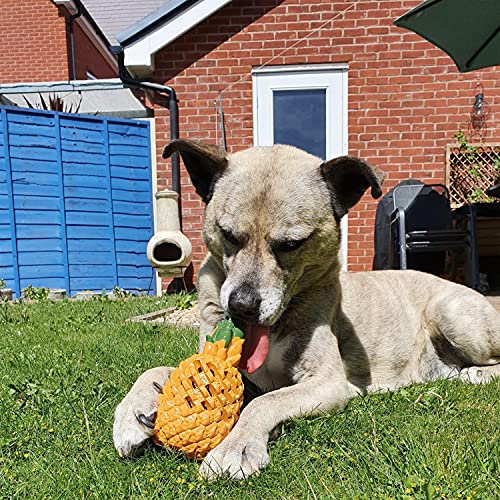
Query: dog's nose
pixel 244 302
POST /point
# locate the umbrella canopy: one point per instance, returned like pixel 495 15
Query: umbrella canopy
pixel 467 30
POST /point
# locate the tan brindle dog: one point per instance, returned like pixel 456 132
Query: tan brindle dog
pixel 315 337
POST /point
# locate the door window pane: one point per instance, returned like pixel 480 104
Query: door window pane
pixel 300 119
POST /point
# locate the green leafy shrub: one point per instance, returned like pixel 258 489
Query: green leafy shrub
pixel 184 300
pixel 34 293
pixel 120 293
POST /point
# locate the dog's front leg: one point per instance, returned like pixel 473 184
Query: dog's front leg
pixel 244 451
pixel 135 415
pixel 210 279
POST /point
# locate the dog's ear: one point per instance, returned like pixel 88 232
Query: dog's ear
pixel 348 178
pixel 205 163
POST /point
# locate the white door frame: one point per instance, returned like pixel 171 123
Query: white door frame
pixel 332 78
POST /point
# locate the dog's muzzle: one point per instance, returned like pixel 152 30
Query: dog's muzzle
pixel 244 303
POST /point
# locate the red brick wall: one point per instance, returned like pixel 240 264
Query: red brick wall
pixel 88 58
pixel 406 98
pixel 35 48
pixel 32 41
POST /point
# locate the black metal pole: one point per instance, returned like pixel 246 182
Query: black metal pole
pixel 173 108
pixel 71 21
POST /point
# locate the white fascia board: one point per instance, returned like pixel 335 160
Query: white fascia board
pixel 140 53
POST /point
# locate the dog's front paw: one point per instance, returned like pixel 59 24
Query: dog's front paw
pixel 479 374
pixel 130 433
pixel 239 459
pixel 135 415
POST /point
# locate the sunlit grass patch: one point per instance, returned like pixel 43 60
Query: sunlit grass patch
pixel 66 365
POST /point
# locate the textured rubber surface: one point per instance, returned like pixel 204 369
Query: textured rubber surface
pixel 201 401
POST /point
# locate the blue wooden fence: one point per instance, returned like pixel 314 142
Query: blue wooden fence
pixel 75 201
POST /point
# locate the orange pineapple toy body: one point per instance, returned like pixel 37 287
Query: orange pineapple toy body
pixel 200 402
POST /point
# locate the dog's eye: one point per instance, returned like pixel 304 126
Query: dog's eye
pixel 288 246
pixel 229 237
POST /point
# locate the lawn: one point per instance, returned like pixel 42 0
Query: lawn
pixel 66 365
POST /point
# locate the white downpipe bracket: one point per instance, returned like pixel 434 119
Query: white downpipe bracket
pixel 169 251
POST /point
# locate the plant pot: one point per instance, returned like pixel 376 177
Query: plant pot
pixel 86 295
pixel 6 294
pixel 57 294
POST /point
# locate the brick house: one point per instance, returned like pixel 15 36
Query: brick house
pixel 59 47
pixel 65 177
pixel 389 96
pixel 380 92
pixel 36 38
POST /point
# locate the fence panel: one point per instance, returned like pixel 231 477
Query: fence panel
pixel 75 190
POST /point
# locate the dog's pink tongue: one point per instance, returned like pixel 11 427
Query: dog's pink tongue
pixel 255 347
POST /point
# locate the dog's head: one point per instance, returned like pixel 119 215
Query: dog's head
pixel 272 219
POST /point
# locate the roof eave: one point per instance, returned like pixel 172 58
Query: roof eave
pixel 91 29
pixel 153 20
pixel 143 40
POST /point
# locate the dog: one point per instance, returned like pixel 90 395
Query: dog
pixel 315 337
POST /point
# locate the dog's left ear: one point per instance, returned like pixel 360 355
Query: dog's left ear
pixel 205 163
pixel 348 178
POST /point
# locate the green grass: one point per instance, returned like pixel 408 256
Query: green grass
pixel 65 366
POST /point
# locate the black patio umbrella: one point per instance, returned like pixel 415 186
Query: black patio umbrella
pixel 467 30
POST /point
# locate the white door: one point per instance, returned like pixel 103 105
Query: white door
pixel 305 106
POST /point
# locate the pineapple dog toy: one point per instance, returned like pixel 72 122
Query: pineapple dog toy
pixel 200 402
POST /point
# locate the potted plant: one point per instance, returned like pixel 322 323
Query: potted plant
pixel 5 293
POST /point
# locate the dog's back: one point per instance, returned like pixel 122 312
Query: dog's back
pixel 401 327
